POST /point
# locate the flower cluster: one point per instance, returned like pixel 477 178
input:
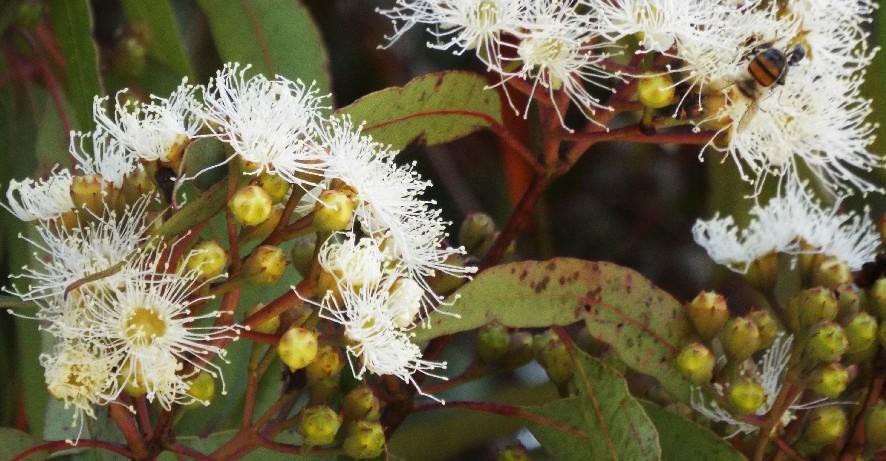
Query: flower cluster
pixel 125 303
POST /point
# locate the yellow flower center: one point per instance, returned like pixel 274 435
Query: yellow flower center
pixel 144 325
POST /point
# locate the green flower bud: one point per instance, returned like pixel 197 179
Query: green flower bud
pixel 492 342
pixel 269 326
pixel 318 425
pixel 324 390
pixel 745 397
pixel 297 348
pixel 876 296
pixel 655 90
pixel 88 192
pixel 202 387
pixel 29 13
pixel 334 211
pixel 696 362
pixel 443 283
pixel 129 57
pixel 740 338
pixel 849 299
pixel 827 342
pixel 328 363
pixel 552 354
pixel 829 380
pixel 812 306
pixel 365 440
pixel 137 184
pixel 251 205
pixel 766 325
pixel 708 313
pixel 274 185
pixel 208 258
pixel 303 253
pixel 476 229
pixel 263 229
pixel 861 333
pixel 264 266
pixel 361 405
pixel 763 272
pixel 875 424
pixel 826 425
pixel 830 273
pixel 514 453
pixel 881 334
pixel 519 350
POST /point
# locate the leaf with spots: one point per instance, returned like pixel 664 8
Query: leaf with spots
pixel 683 439
pixel 432 109
pixel 643 324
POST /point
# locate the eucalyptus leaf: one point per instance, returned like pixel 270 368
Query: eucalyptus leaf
pixel 72 21
pixel 14 442
pixel 432 109
pixel 210 443
pixel 682 439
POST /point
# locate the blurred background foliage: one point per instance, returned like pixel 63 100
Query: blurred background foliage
pixel 629 204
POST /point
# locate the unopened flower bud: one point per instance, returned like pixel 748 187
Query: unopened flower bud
pixel 269 326
pixel 745 397
pixel 708 313
pixel 876 296
pixel 476 229
pixel 365 440
pixel 655 90
pixel 263 229
pixel 137 184
pixel 811 306
pixel 87 192
pixel 297 348
pixel 849 300
pixel 303 253
pixel 514 453
pixel 740 338
pixel 881 334
pixel 552 354
pixel 829 380
pixel 861 333
pixel 875 425
pixel 328 363
pixel 265 265
pixel 208 259
pixel 274 185
pixel 763 271
pixel 361 405
pixel 324 390
pixel 696 362
pixel 251 205
pixel 129 57
pixel 767 326
pixel 202 387
pixel 519 349
pixel 826 425
pixel 492 342
pixel 443 283
pixel 334 211
pixel 318 425
pixel 827 342
pixel 831 272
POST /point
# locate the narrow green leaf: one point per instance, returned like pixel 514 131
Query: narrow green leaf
pixel 165 46
pixel 275 36
pixel 571 443
pixel 682 439
pixel 205 206
pixel 207 445
pixel 72 20
pixel 432 109
pixel 13 442
pixel 644 324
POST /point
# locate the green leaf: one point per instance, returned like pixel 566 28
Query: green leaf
pixel 207 445
pixel 644 324
pixel 72 20
pixel 432 109
pixel 205 156
pixel 165 46
pixel 13 442
pixel 682 439
pixel 275 36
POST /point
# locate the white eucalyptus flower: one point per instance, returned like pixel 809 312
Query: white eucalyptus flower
pixel 108 158
pixel 354 262
pixel 31 200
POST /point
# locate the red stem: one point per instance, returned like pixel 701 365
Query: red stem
pixel 63 445
pixel 504 410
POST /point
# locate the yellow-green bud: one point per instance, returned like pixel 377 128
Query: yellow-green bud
pixel 740 338
pixel 827 342
pixel 876 296
pixel 137 184
pixel 812 306
pixel 476 229
pixel 328 363
pixel 365 440
pixel 861 333
pixel 264 228
pixel 334 211
pixel 442 282
pixel 875 425
pixel 297 348
pixel 514 453
pixel 251 205
pixel 87 192
pixel 831 272
pixel 767 326
pixel 829 380
pixel 763 271
pixel 492 342
pixel 361 405
pixel 129 57
pixel 708 313
pixel 745 397
pixel 519 349
pixel 655 90
pixel 325 390
pixel 274 185
pixel 849 299
pixel 696 362
pixel 826 425
pixel 265 265
pixel 318 425
pixel 202 387
pixel 269 326
pixel 208 258
pixel 551 353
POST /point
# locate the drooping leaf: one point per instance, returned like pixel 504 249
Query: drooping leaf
pixel 683 439
pixel 431 109
pixel 13 442
pixel 275 36
pixel 644 324
pixel 72 20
